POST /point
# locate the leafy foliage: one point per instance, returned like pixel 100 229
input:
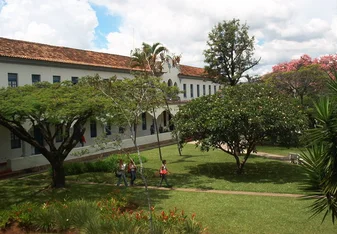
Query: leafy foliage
pixel 108 164
pixel 105 216
pixel 50 108
pixel 320 162
pixel 230 52
pixel 238 118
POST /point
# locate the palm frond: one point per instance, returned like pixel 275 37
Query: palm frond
pixel 323 109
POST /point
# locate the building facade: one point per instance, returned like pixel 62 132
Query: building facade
pixel 23 63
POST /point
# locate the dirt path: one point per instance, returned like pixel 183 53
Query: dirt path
pixel 200 190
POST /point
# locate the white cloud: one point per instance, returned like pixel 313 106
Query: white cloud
pixel 283 29
pixel 62 22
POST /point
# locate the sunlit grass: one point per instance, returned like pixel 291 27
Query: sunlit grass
pixel 213 170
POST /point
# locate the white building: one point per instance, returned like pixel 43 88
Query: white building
pixel 23 62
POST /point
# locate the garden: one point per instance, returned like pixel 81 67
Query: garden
pixel 92 203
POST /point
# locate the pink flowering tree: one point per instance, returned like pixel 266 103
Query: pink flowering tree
pixel 302 78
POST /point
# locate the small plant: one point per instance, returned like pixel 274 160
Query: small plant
pixel 4 219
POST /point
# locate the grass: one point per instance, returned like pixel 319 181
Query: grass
pixel 278 150
pixel 208 170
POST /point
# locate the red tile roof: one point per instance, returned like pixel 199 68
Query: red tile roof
pixel 37 51
pixel 192 71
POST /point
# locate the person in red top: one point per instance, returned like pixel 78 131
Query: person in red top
pixel 82 140
pixel 163 173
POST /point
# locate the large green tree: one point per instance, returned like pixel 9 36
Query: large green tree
pixel 236 119
pixel 230 52
pixel 150 59
pixel 51 109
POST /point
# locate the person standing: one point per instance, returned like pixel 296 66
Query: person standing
pixel 163 173
pixel 132 169
pixel 121 173
pixel 82 140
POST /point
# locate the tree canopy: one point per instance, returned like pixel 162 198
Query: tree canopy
pixel 305 81
pixel 230 52
pixel 237 118
pixel 52 109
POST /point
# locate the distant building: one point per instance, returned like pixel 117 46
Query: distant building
pixel 23 62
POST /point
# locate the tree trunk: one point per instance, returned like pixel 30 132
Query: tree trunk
pixel 238 164
pixel 59 180
pixel 156 127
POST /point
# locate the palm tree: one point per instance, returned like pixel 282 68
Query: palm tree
pixel 320 160
pixel 146 58
pixel 149 58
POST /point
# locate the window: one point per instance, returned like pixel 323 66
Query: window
pixel 198 90
pixel 209 90
pixel 108 129
pixel 59 133
pixel 144 121
pixel 12 79
pixel 204 90
pixel 56 79
pixel 165 120
pixel 121 130
pixel 214 88
pixel 93 128
pixel 191 90
pixel 184 87
pixel 74 79
pixel 15 141
pixel 36 78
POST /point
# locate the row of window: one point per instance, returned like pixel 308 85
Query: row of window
pixel 16 142
pixel 13 79
pixel 198 90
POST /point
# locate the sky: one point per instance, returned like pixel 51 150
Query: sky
pixel 283 29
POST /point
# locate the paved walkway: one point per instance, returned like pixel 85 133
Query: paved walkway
pixel 194 190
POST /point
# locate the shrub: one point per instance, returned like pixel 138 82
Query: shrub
pixel 4 219
pixel 105 216
pixel 108 164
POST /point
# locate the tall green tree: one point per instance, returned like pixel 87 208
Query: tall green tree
pixel 239 117
pixel 51 109
pixel 320 160
pixel 230 52
pixel 150 59
pixel 130 98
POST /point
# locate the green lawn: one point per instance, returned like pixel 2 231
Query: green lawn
pixel 278 150
pixel 211 170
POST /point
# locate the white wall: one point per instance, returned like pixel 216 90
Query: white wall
pixel 172 73
pixel 46 73
pixel 25 73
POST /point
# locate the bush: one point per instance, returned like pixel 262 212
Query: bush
pixel 108 164
pixel 105 216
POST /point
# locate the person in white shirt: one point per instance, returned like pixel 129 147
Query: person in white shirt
pixel 121 173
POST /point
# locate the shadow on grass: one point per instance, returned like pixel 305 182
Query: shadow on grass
pixel 21 191
pixel 262 171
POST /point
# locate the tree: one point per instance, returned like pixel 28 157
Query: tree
pixel 50 109
pixel 305 81
pixel 130 98
pixel 150 59
pixel 320 160
pixel 230 52
pixel 236 119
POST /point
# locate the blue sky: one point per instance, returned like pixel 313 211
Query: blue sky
pixel 107 23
